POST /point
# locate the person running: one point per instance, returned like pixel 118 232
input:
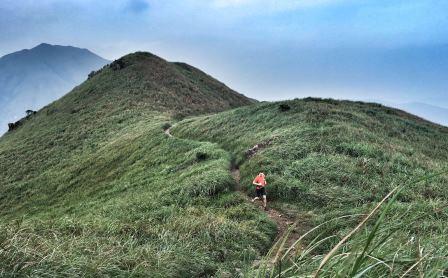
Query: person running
pixel 260 184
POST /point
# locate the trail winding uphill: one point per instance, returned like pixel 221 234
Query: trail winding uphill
pixel 286 226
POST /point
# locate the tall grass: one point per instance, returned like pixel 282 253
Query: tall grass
pixel 359 255
pixel 326 159
pixel 92 187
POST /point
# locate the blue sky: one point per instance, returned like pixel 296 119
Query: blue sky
pixel 266 49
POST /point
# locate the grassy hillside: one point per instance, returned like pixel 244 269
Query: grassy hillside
pixel 325 159
pixel 91 186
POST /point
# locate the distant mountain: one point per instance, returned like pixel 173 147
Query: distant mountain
pixel 433 113
pixel 402 74
pixel 32 78
pixel 429 112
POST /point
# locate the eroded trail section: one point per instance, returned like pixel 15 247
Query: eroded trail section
pixel 168 132
pixel 284 223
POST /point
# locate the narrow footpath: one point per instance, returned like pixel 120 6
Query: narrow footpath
pixel 283 222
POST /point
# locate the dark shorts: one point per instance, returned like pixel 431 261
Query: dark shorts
pixel 260 192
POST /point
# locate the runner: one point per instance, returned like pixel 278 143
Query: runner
pixel 260 182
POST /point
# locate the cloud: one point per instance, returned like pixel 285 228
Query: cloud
pixel 137 6
pixel 228 3
pixel 273 4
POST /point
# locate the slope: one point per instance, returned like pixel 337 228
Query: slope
pixel 32 78
pixel 91 186
pixel 325 159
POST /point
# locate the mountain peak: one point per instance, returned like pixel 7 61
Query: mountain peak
pixel 52 47
pixel 43 45
pixel 144 79
pixel 141 56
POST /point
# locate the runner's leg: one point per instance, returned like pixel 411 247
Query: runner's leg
pixel 258 195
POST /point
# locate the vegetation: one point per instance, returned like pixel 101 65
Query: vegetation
pixel 327 159
pixel 91 186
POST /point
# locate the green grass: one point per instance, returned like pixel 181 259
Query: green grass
pixel 149 213
pixel 329 158
pixel 363 252
pixel 91 186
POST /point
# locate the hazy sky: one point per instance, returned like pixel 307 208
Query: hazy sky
pixel 266 49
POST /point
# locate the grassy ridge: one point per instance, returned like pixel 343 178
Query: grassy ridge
pixel 328 158
pixel 90 185
pixel 114 102
pixel 162 214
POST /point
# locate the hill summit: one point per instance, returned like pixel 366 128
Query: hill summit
pixel 145 79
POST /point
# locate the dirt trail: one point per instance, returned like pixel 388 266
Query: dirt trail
pixel 283 222
pixel 168 132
